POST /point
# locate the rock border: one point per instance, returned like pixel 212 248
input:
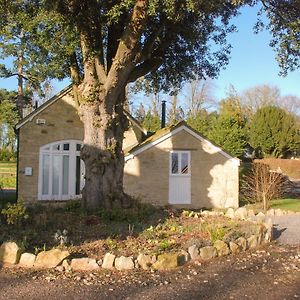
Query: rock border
pixel 11 253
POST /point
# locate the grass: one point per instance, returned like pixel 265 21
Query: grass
pixel 292 204
pixel 8 175
pixel 286 204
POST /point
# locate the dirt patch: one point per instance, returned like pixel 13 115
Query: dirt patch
pixel 272 272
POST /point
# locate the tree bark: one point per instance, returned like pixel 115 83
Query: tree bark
pixel 104 127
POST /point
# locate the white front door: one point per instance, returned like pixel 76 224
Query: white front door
pixel 180 177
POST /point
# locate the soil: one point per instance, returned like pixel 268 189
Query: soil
pixel 271 272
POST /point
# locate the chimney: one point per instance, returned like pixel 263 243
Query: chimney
pixel 163 114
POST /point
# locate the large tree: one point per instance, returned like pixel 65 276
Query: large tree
pixel 284 25
pixel 107 44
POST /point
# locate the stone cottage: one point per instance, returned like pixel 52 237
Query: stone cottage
pixel 175 166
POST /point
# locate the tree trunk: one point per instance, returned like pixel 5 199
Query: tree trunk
pixel 104 126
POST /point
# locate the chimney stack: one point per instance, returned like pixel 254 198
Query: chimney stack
pixel 163 114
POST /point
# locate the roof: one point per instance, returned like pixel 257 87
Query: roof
pixel 167 132
pixel 58 96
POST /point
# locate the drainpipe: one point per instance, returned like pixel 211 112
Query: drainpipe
pixel 163 114
pixel 17 172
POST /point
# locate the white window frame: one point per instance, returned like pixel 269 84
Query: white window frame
pixel 72 153
pixel 180 152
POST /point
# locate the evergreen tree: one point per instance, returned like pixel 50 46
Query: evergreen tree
pixel 274 132
pixel 228 129
pixel 151 121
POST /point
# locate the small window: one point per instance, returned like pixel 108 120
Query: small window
pixel 78 147
pixel 180 163
pixel 66 147
pixel 174 163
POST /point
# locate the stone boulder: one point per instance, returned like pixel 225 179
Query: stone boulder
pixel 230 213
pixel 108 261
pixel 51 258
pixel 66 264
pixel 84 264
pixel 10 253
pixel 252 242
pixel 144 261
pixel 208 252
pixel 234 248
pixel 260 217
pixel 242 243
pixel 124 263
pixel 251 213
pixel 168 261
pixel 222 248
pixel 194 252
pixel 268 229
pixel 27 260
pixel 241 213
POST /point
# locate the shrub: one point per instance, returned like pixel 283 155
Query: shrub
pixel 262 185
pixel 15 213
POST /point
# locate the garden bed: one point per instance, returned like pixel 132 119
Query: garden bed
pixel 141 229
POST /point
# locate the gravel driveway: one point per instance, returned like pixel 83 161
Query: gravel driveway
pixel 287 229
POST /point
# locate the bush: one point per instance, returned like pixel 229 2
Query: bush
pixel 7 155
pixel 15 213
pixel 262 185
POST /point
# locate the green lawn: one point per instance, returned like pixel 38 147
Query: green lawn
pixel 286 204
pixel 8 175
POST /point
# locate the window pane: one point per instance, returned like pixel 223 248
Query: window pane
pixel 65 179
pixel 78 147
pixel 184 163
pixel 174 163
pixel 66 147
pixel 56 147
pixel 46 169
pixel 56 165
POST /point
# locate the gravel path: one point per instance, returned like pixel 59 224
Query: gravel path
pixel 270 273
pixel 287 229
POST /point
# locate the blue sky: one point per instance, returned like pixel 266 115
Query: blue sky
pixel 252 63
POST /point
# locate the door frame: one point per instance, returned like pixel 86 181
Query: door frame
pixel 186 177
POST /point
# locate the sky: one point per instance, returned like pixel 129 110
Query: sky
pixel 252 63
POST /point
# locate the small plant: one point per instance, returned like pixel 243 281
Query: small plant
pixel 165 245
pixel 216 233
pixel 111 243
pixel 73 205
pixel 61 237
pixel 15 213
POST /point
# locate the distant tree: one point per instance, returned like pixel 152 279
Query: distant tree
pixel 202 121
pixel 228 129
pixel 140 113
pixel 8 118
pixel 274 132
pixel 198 96
pixel 257 97
pixel 20 26
pixel 152 121
pixel 175 113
